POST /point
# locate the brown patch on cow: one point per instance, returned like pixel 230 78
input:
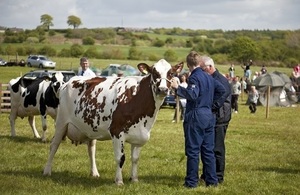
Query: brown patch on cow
pixel 132 108
pixel 88 103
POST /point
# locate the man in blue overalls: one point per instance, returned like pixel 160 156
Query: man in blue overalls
pixel 199 121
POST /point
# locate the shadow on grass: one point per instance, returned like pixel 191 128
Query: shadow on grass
pixel 283 170
pixel 74 179
pixel 21 139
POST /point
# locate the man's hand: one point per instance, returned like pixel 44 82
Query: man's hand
pixel 175 82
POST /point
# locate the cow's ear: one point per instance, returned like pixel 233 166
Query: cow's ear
pixel 178 67
pixel 143 68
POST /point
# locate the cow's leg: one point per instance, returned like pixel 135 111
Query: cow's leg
pixel 118 144
pixel 58 136
pixel 31 121
pixel 92 153
pixel 12 120
pixel 135 154
pixel 44 125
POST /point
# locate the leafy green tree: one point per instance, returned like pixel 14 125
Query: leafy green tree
pixel 46 21
pixel 243 49
pixel 74 21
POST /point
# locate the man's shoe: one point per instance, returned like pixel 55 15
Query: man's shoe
pixel 188 186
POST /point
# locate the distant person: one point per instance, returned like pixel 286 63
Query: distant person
pixel 236 88
pixel 296 71
pixel 85 68
pixel 231 71
pixel 253 98
pixel 247 71
pixel 256 74
pixel 182 101
pixel 263 69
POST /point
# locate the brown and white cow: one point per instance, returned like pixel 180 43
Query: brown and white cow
pixel 34 97
pixel 121 109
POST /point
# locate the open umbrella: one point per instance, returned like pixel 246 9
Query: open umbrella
pixel 269 79
pixel 285 78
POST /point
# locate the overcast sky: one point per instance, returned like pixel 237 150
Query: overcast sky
pixel 185 14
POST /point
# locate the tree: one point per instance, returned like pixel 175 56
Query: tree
pixel 46 21
pixel 243 49
pixel 74 21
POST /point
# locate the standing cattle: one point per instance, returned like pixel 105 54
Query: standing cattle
pixel 34 97
pixel 112 108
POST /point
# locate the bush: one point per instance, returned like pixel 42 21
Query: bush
pixel 51 33
pixel 88 41
pixel 76 50
pixel 158 43
pixel 65 53
pixel 47 50
pixel 112 54
pixel 30 50
pixel 91 52
pixel 134 54
pixel 170 55
pixel 32 40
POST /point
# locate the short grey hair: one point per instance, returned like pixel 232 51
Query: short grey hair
pixel 208 61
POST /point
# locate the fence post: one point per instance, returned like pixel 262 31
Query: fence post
pixel 5 105
pixel 268 102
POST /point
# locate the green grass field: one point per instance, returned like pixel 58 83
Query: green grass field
pixel 263 156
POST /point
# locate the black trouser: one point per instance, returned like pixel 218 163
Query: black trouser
pixel 234 102
pixel 219 150
pixel 220 133
pixel 252 107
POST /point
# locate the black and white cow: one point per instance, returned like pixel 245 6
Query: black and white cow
pixel 34 97
pixel 121 109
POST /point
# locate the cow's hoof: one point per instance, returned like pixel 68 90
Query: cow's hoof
pixel 96 175
pixel 47 172
pixel 119 183
pixel 134 180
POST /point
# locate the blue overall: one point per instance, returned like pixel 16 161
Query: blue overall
pixel 199 123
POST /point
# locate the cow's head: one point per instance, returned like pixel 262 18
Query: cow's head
pixel 57 80
pixel 161 74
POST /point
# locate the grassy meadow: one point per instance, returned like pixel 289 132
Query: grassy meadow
pixel 263 155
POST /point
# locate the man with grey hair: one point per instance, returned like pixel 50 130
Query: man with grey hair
pixel 223 117
pixel 85 68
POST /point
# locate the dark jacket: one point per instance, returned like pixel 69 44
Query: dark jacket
pixel 223 115
pixel 201 93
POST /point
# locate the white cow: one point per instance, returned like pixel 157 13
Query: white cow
pixel 112 108
pixel 34 97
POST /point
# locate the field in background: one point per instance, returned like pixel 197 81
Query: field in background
pixel 7 73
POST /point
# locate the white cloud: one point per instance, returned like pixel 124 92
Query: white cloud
pixel 193 14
